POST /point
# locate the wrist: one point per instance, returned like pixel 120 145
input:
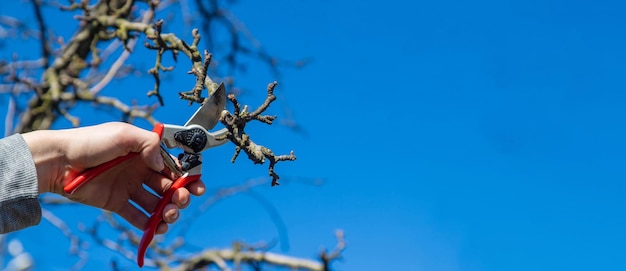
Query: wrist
pixel 46 148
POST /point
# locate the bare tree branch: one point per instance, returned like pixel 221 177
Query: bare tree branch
pixel 69 73
pixel 236 122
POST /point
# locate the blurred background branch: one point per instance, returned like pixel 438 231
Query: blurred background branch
pixel 71 70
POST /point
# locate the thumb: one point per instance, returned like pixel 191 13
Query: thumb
pixel 147 143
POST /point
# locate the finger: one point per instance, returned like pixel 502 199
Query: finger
pixel 162 228
pixel 133 215
pixel 170 213
pixel 157 182
pixel 176 160
pixel 172 174
pixel 181 198
pixel 145 199
pixel 196 188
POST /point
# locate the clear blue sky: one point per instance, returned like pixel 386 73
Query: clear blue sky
pixel 451 135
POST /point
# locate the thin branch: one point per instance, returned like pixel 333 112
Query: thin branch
pixel 328 257
pixel 119 62
pixel 217 196
pixel 43 33
pixel 208 257
pixel 8 119
pixel 235 123
pixel 75 242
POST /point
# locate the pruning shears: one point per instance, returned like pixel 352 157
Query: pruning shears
pixel 193 138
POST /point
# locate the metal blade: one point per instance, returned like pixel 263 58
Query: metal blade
pixel 209 113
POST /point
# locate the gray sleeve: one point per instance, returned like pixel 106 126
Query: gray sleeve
pixel 19 203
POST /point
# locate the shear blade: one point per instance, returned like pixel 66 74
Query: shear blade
pixel 209 113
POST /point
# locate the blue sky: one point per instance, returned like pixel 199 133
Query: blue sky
pixel 451 135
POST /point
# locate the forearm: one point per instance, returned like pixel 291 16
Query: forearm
pixel 19 189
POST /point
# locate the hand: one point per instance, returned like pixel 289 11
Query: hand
pixel 60 155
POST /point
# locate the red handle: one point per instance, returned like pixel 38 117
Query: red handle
pixel 157 215
pixel 91 173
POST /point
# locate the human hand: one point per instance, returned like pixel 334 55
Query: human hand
pixel 62 154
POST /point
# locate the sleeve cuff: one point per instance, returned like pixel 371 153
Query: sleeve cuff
pixel 19 192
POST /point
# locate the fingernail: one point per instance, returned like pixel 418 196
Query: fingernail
pixel 184 201
pixel 174 215
pixel 201 190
